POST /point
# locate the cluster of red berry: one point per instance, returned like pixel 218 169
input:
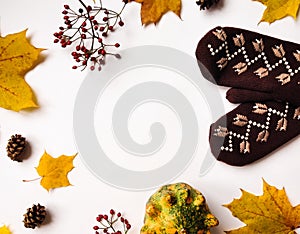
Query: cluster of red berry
pixel 87 28
pixel 109 224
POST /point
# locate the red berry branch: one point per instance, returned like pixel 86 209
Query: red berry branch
pixel 109 224
pixel 87 29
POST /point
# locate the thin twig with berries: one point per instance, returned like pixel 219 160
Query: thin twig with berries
pixel 110 224
pixel 87 28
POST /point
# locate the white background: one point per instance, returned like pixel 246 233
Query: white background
pixel 73 209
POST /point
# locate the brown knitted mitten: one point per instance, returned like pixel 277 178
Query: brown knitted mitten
pixel 253 130
pixel 258 67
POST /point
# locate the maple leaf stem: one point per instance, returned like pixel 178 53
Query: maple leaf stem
pixel 32 179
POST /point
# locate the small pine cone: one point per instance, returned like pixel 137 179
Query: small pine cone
pixel 34 216
pixel 206 4
pixel 15 146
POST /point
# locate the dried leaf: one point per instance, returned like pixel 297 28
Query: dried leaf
pixel 258 45
pixel 239 40
pixel 220 34
pixel 4 230
pixel 262 72
pixel 297 113
pixel 260 108
pixel 278 9
pixel 54 171
pixel 153 10
pixel 240 120
pixel 240 68
pixel 17 56
pixel 269 213
pixel 297 55
pixel 279 51
pixel 263 136
pixel 245 147
pixel 222 63
pixel 221 131
pixel 284 78
pixel 282 124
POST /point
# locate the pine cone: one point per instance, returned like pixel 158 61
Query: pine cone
pixel 15 146
pixel 34 216
pixel 206 4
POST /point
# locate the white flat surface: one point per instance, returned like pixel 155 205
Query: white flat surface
pixel 73 209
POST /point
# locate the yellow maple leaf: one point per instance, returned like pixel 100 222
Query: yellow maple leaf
pixel 153 10
pixel 17 56
pixel 278 9
pixel 54 171
pixel 4 230
pixel 269 213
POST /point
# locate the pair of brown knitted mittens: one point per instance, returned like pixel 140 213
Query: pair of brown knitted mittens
pixel 264 76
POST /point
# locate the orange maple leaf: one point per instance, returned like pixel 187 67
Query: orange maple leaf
pixel 278 9
pixel 269 213
pixel 53 172
pixel 153 10
pixel 17 56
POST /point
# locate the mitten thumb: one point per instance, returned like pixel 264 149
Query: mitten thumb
pixel 235 95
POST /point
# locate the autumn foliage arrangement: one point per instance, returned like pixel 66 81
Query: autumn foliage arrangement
pixel 86 31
